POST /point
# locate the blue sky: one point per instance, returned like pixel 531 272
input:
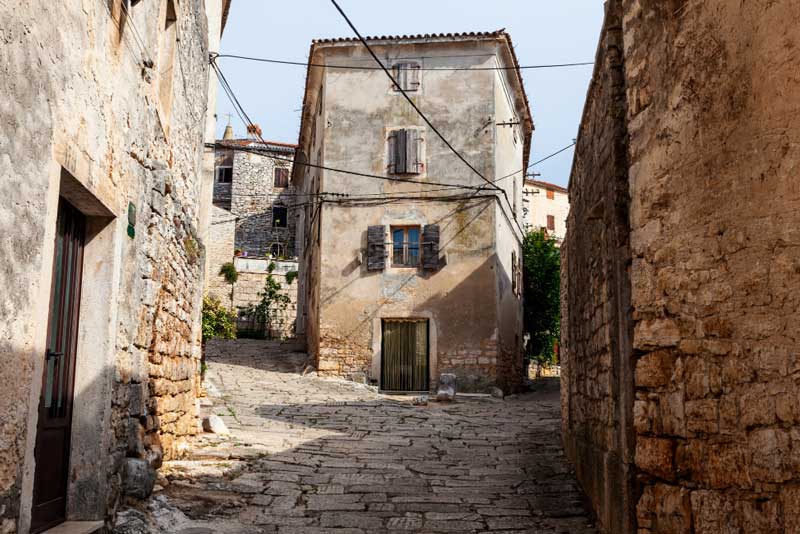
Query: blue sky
pixel 544 32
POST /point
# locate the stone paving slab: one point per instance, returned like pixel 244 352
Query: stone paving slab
pixel 313 455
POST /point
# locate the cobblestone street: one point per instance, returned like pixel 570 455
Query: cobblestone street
pixel 311 455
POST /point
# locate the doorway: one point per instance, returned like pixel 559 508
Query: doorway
pixel 405 360
pixel 53 431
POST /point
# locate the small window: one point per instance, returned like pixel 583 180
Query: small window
pixel 281 177
pixel 406 75
pixel 405 246
pixel 551 222
pixel 551 195
pixel 224 175
pixel 404 152
pixel 279 217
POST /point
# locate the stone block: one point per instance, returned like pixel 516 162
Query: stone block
pixel 215 425
pixel 656 456
pixel 446 391
pixel 655 369
pixel 138 478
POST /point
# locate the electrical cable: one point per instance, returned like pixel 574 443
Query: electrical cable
pixel 354 67
pixel 408 98
pixel 554 154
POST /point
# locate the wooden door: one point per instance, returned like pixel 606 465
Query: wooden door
pixel 404 361
pixel 56 401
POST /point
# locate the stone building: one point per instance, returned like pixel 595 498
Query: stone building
pixel 252 222
pixel 681 271
pixel 416 272
pixel 101 136
pixel 546 206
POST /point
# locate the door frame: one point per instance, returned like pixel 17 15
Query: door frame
pixel 63 335
pixel 87 489
pixel 377 344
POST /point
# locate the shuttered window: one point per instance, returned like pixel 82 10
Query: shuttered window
pixel 405 246
pixel 514 268
pixel 281 177
pixel 551 222
pixel 404 152
pixel 407 76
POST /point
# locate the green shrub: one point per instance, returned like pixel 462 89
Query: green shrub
pixel 218 321
pixel 291 276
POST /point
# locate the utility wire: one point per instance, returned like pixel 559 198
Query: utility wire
pixel 260 152
pixel 554 154
pixel 408 98
pixel 355 67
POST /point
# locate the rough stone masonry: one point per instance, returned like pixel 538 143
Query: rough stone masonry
pixel 104 107
pixel 681 368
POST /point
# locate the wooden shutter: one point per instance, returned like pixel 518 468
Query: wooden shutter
pixel 391 147
pixel 412 152
pixel 376 248
pixel 430 247
pixel 514 272
pixel 401 152
pixel 413 76
pixel 400 74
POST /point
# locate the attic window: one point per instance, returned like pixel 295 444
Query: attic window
pixel 407 76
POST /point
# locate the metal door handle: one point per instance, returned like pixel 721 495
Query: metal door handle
pixel 53 354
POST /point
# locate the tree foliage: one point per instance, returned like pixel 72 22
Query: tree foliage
pixel 218 321
pixel 542 288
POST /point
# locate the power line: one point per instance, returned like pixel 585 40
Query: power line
pixel 260 152
pixel 355 67
pixel 554 154
pixel 408 98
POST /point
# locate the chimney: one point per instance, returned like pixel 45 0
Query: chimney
pixel 254 131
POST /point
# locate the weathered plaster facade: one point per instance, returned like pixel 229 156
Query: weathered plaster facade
pixel 90 114
pixel 473 312
pixel 681 271
pixel 543 204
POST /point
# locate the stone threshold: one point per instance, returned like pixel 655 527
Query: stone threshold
pixel 76 527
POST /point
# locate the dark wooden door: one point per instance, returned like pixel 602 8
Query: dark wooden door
pixel 404 360
pixel 55 404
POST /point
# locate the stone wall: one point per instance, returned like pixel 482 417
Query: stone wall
pixel 249 286
pixel 712 124
pixel 82 119
pixel 252 198
pixel 596 380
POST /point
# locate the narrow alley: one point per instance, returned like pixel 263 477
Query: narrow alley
pixel 308 454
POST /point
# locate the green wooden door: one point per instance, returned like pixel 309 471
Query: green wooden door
pixel 404 361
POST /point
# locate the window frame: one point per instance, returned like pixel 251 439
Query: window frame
pixel 551 195
pixel 217 174
pixel 285 220
pixel 551 219
pixel 404 81
pixel 280 170
pixel 405 263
